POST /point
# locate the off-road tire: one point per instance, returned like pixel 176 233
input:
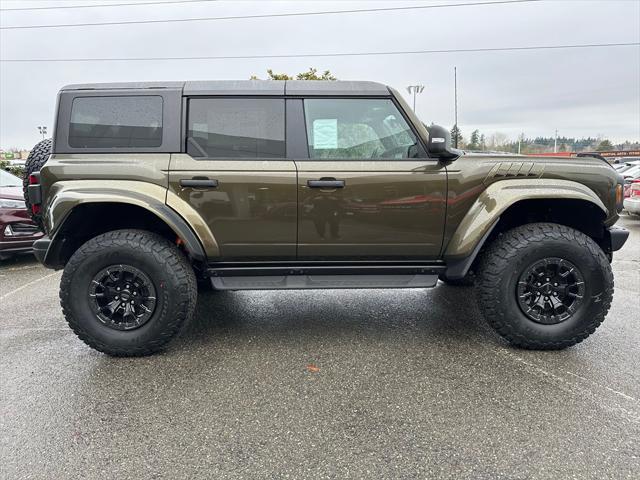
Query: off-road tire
pixel 167 268
pixel 469 280
pixel 516 250
pixel 36 159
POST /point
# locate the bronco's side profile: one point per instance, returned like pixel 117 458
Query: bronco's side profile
pixel 148 189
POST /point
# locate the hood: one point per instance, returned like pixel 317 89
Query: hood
pixel 12 193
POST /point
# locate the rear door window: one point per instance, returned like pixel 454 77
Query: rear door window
pixel 236 128
pixel 116 122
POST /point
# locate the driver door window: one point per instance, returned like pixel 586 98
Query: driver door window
pixel 358 129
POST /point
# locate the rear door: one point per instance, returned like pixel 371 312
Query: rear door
pixel 236 175
pixel 367 189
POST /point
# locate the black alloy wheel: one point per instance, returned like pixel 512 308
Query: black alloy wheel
pixel 122 296
pixel 550 291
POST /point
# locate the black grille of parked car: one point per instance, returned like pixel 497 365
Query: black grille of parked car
pixel 24 228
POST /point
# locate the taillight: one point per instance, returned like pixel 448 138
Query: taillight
pixel 634 190
pixel 34 193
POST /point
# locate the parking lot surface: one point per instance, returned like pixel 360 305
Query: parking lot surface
pixel 319 384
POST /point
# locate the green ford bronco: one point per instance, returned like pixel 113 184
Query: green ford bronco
pixel 148 190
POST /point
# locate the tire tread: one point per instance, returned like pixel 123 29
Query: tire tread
pixel 175 264
pixel 500 255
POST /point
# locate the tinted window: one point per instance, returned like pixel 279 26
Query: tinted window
pixel 116 122
pixel 358 129
pixel 236 128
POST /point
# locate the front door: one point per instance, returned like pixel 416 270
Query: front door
pixel 367 190
pixel 236 176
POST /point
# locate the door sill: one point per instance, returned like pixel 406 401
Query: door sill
pixel 306 282
pixel 294 276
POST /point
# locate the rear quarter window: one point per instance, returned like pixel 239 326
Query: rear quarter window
pixel 116 122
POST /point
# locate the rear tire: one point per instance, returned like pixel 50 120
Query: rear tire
pixel 159 298
pixel 36 159
pixel 545 311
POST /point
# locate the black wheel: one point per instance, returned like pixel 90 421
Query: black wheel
pixel 128 292
pixel 544 286
pixel 469 280
pixel 36 159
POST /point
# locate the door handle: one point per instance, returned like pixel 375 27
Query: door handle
pixel 199 183
pixel 325 183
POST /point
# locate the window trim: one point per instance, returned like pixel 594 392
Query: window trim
pixel 170 121
pixel 363 97
pixel 185 126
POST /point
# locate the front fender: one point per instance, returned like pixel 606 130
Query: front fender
pixel 179 216
pixel 498 197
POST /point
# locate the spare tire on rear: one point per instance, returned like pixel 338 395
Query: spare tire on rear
pixel 37 158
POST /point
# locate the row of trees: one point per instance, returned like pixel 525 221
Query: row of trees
pixel 311 74
pixel 500 141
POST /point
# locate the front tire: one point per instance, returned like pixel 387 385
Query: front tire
pixel 544 286
pixel 128 292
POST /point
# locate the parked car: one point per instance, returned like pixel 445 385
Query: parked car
pixel 17 230
pixel 149 186
pixel 627 165
pixel 632 201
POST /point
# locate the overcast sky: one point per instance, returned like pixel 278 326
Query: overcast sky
pixel 580 92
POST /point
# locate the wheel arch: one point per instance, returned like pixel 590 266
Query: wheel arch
pixel 510 203
pixel 74 222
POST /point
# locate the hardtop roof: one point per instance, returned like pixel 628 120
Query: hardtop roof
pixel 248 87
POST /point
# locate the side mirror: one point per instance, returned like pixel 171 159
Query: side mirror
pixel 440 143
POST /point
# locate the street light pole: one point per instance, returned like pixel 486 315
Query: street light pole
pixel 455 105
pixel 555 143
pixel 415 89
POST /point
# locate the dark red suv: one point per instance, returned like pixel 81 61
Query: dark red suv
pixel 17 231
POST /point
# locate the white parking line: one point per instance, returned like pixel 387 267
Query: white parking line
pixel 25 267
pixel 27 285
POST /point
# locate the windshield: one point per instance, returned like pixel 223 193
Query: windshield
pixel 9 180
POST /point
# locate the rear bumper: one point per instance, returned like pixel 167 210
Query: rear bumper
pixel 618 236
pixel 40 249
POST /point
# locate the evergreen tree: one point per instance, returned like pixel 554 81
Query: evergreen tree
pixel 456 137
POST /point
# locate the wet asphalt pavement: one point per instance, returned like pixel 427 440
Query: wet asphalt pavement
pixel 319 384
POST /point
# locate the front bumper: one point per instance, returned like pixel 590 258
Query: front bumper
pixel 17 231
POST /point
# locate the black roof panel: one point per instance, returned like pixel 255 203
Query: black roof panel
pixel 324 87
pixel 249 87
pixel 122 85
pixel 234 87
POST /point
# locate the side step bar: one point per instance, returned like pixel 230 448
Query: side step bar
pixel 294 277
